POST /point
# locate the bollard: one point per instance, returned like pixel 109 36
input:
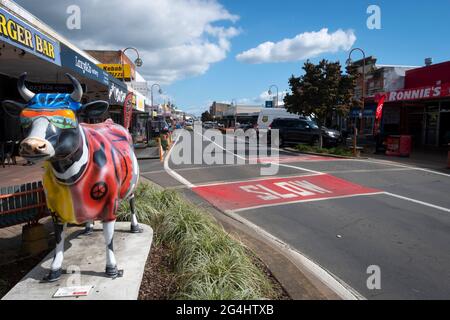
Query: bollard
pixel 161 151
pixel 34 239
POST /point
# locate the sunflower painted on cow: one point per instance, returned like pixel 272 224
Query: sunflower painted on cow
pixel 89 168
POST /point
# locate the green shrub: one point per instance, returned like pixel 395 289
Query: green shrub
pixel 339 151
pixel 208 262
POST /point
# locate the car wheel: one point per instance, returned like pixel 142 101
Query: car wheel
pixel 315 141
pixel 282 143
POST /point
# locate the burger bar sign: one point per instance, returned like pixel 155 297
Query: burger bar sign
pixel 437 91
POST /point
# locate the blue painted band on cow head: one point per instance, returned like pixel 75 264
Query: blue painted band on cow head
pixel 54 101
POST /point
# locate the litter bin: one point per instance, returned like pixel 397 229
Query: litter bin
pixel 399 146
pixel 393 146
pixel 405 146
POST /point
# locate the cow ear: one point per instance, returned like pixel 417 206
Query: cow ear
pixel 95 109
pixel 12 108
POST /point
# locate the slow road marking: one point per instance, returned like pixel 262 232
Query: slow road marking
pixel 255 194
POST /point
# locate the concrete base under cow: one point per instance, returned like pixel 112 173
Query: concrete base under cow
pixel 84 265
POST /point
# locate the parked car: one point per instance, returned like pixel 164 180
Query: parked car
pixel 208 125
pixel 331 137
pixel 268 115
pixel 157 127
pixel 292 131
pixel 245 126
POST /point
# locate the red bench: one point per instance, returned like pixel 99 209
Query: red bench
pixel 22 204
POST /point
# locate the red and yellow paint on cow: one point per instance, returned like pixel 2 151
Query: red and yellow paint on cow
pixel 110 175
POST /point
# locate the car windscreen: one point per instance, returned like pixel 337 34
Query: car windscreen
pixel 312 124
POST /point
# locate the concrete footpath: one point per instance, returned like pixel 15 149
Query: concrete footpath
pixel 84 265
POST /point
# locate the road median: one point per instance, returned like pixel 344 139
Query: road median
pixel 208 263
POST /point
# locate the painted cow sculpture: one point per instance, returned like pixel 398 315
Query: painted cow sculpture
pixel 89 168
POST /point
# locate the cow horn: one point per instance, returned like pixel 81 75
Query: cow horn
pixel 77 94
pixel 26 94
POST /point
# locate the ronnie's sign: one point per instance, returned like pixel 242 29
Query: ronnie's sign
pixel 21 35
pixel 431 92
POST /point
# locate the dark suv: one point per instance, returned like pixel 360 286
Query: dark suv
pixel 304 131
pixel 296 131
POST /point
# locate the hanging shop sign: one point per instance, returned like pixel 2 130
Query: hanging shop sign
pixel 128 110
pixel 140 86
pixel 139 102
pixel 72 60
pixel 117 93
pixel 21 35
pixel 117 70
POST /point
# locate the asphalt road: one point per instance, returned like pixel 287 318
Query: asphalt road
pixel 345 215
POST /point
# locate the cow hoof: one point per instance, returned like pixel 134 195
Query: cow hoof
pixel 136 229
pixel 53 275
pixel 113 272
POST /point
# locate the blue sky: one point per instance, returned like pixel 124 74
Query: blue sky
pixel 190 46
pixel 411 31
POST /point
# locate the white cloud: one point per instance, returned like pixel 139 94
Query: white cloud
pixel 176 38
pixel 303 46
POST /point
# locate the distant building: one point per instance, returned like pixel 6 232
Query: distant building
pixel 229 114
pixel 218 109
pixel 378 78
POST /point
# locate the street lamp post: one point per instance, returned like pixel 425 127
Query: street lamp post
pixel 234 103
pixel 349 62
pixel 270 93
pixel 151 93
pixel 138 62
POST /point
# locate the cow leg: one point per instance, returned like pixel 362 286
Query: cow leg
pixel 111 265
pixel 88 227
pixel 55 271
pixel 135 228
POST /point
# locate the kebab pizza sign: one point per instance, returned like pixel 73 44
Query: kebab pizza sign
pixel 432 92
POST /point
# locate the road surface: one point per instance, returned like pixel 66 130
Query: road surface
pixel 345 215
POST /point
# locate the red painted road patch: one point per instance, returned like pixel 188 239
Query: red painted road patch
pixel 243 195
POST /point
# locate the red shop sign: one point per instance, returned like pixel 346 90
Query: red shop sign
pixel 430 92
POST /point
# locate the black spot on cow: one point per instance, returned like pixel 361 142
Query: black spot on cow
pixel 100 156
pixel 99 191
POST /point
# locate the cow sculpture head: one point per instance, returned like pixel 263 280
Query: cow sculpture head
pixel 49 121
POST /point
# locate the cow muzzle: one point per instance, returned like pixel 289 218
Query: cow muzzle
pixel 36 149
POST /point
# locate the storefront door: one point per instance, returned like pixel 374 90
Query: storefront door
pixel 444 126
pixel 431 125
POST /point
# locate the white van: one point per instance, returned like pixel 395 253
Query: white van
pixel 266 116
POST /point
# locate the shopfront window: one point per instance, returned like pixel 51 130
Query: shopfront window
pixel 139 128
pixel 431 121
pixel 444 124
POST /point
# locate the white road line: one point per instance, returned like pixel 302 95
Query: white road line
pixel 249 164
pixel 304 201
pixel 273 163
pixel 171 172
pixel 417 201
pixel 393 164
pixel 221 183
pixel 368 170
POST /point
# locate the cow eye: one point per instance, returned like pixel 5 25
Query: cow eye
pixel 26 122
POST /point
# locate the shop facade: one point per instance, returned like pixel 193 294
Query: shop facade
pixel 422 108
